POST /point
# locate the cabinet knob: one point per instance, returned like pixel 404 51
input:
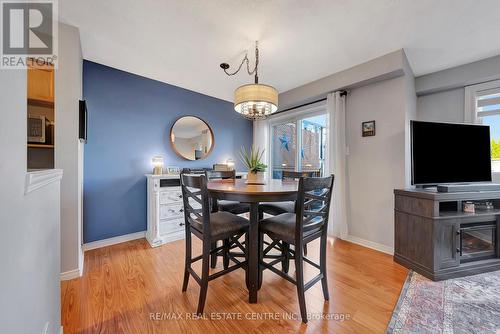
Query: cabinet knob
pixel 181 224
pixel 458 250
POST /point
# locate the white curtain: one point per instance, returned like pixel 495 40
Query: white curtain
pixel 335 104
pixel 261 140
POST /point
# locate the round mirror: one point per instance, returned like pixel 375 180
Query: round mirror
pixel 191 138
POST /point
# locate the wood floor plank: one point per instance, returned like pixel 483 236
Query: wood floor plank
pixel 133 288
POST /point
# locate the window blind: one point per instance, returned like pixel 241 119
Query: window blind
pixel 488 102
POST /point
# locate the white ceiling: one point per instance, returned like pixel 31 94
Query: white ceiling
pixel 183 42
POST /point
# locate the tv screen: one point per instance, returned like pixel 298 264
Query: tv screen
pixel 450 153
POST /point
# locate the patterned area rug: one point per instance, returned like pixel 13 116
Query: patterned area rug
pixel 461 305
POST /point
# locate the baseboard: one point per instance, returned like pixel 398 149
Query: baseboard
pixel 81 262
pixel 370 244
pixel 113 241
pixel 70 274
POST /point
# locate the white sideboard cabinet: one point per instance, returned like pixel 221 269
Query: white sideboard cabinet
pixel 165 209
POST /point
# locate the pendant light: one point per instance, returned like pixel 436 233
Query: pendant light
pixel 253 101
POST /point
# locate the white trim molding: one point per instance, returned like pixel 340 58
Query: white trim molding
pixel 70 274
pixel 38 179
pixel 113 241
pixel 74 273
pixel 370 244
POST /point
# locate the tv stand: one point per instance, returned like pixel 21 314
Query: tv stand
pixel 434 237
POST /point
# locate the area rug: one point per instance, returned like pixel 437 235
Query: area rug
pixel 462 305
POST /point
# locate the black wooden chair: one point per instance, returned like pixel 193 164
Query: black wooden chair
pixel 308 223
pixel 229 206
pixel 277 208
pixel 209 227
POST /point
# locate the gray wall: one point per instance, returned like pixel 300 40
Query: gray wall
pixel 375 165
pixel 29 225
pixel 382 68
pixel 69 150
pixel 445 106
pixel 441 95
pixel 381 90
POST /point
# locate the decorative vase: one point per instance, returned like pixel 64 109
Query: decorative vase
pixel 256 178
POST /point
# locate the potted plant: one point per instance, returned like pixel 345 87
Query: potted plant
pixel 252 159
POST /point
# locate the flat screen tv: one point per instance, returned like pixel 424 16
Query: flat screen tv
pixel 450 153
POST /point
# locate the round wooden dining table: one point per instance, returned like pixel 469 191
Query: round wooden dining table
pixel 238 190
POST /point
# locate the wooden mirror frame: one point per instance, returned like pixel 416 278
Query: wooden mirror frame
pixel 211 136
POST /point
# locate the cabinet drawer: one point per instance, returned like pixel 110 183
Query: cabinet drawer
pixel 172 211
pixel 173 195
pixel 171 226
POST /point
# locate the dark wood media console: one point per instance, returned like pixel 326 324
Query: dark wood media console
pixel 434 237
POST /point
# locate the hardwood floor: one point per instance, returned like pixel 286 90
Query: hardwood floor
pixel 133 288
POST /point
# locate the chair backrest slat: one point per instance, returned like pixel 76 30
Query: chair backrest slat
pixel 313 205
pixel 194 190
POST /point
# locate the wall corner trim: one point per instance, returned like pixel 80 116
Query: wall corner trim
pixel 113 241
pixel 370 244
pixel 39 179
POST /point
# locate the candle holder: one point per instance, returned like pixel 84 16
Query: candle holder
pixel 157 162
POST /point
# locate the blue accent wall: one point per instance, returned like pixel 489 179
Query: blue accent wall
pixel 129 122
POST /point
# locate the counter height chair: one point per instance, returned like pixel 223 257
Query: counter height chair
pixel 229 206
pixel 308 223
pixel 209 227
pixel 277 208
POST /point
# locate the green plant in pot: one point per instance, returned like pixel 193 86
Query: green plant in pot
pixel 252 159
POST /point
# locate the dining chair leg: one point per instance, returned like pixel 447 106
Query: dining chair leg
pixel 285 253
pixel 261 258
pixel 322 264
pixel 299 272
pixel 187 262
pixel 225 259
pixel 213 257
pixel 247 269
pixel 204 277
pixel 305 249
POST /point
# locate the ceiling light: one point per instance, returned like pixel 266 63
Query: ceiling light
pixel 253 101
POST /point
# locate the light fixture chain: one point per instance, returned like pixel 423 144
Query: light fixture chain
pixel 245 59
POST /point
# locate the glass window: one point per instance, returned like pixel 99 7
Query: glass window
pixel 488 113
pixel 284 148
pixel 494 122
pixel 298 145
pixel 312 153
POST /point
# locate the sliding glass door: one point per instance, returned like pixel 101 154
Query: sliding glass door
pixel 298 144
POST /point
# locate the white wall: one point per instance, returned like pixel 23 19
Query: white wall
pixel 69 150
pixel 29 225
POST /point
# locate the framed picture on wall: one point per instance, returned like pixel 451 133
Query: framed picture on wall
pixel 368 129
